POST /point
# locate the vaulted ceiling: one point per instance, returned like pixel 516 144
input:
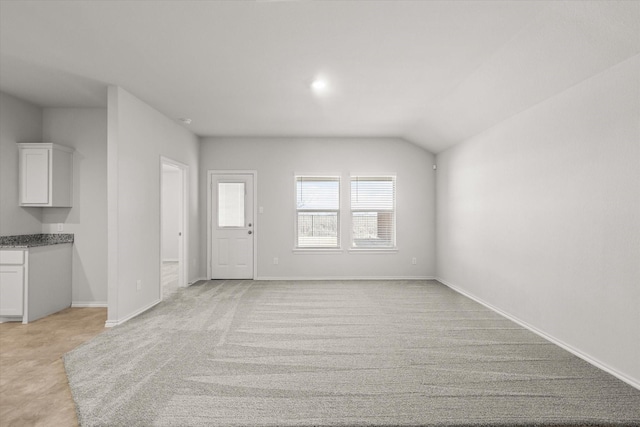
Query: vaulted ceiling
pixel 432 72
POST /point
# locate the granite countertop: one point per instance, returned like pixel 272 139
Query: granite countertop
pixel 31 240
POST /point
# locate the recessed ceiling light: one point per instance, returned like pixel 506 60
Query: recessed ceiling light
pixel 319 86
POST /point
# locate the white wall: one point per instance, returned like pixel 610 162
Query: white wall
pixel 138 136
pixel 540 217
pixel 171 203
pixel 20 121
pixel 84 129
pixel 277 160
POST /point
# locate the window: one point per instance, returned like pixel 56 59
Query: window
pixel 317 212
pixel 373 216
pixel 231 204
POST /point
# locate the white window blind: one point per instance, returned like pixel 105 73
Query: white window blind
pixel 231 204
pixel 317 212
pixel 373 212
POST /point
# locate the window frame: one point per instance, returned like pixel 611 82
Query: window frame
pixel 393 247
pixel 338 214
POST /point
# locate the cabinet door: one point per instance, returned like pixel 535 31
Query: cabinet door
pixel 35 175
pixel 11 290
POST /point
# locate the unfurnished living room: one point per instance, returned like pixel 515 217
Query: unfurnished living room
pixel 319 213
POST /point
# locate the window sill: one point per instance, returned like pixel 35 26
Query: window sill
pixel 317 251
pixel 374 250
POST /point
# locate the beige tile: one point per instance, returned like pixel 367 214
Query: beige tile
pixel 33 384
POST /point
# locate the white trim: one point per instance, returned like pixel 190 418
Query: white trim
pixel 328 279
pixel 317 251
pixel 170 260
pixel 373 251
pixel 25 295
pixel 209 188
pixel 46 145
pixel 196 280
pixel 112 323
pixel 113 192
pixel 79 304
pixel 254 173
pixel 587 358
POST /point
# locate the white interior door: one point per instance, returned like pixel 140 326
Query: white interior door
pixel 232 227
pixel 174 224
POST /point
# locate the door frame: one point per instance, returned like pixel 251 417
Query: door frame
pixel 210 214
pixel 183 246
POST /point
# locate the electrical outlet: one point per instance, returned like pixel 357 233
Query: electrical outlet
pixel 60 226
pixel 414 261
pixel 139 284
pixel 276 261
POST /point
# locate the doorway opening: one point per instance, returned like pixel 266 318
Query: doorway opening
pixel 173 226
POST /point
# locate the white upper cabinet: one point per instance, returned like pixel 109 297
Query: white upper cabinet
pixel 46 174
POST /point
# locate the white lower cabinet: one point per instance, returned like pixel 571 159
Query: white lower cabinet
pixel 34 282
pixel 11 290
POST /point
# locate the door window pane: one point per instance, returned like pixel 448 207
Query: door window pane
pixel 231 204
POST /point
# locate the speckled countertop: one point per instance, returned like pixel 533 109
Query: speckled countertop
pixel 31 240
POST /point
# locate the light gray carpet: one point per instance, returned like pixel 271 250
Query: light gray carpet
pixel 242 353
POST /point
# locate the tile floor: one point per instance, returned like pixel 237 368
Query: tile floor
pixel 33 384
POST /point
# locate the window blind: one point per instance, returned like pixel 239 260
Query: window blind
pixel 317 212
pixel 373 216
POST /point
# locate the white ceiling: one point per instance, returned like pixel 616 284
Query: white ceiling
pixel 434 73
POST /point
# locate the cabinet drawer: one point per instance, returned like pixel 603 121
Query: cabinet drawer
pixel 11 257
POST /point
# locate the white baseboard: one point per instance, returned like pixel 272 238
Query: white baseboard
pixel 595 362
pixel 112 323
pixel 325 278
pixel 197 279
pixel 78 304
